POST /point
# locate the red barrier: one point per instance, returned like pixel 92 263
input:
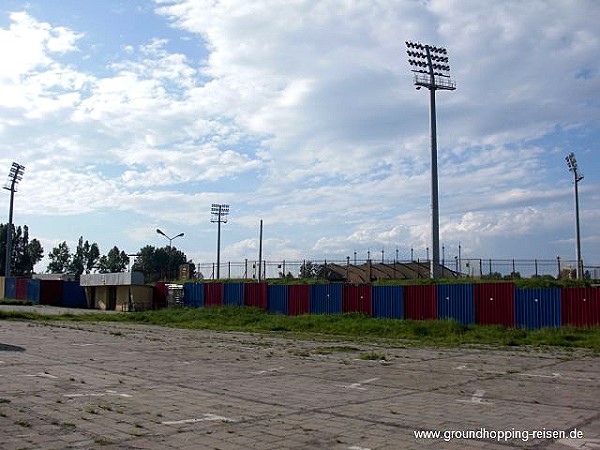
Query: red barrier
pixel 420 302
pixel 255 294
pixel 21 289
pixel 495 304
pixel 580 307
pixel 213 294
pixel 159 295
pixel 357 298
pixel 51 292
pixel 298 299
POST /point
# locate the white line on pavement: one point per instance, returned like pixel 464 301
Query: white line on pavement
pixel 206 418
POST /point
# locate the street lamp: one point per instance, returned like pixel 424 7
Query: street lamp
pixel 432 71
pixel 14 176
pixel 577 177
pixel 159 231
pixel 219 215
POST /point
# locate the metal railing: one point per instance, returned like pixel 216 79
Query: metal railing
pixel 463 268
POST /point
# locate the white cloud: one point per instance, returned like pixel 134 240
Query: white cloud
pixel 305 113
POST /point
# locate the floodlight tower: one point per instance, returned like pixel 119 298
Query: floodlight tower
pixel 432 71
pixel 14 176
pixel 219 215
pixel 577 177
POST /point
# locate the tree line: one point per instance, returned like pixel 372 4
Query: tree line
pixel 156 263
pixel 25 253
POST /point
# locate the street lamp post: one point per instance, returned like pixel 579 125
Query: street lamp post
pixel 15 175
pixel 577 177
pixel 432 71
pixel 159 231
pixel 219 215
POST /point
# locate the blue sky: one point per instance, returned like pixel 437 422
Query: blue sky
pixel 133 115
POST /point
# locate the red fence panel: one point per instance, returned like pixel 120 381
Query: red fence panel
pixel 495 304
pixel 255 294
pixel 357 298
pixel 21 289
pixel 420 302
pixel 581 307
pixel 51 292
pixel 298 299
pixel 213 294
pixel 159 296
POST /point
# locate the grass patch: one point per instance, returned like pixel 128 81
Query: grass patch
pixel 373 356
pixel 23 423
pixel 334 349
pixel 352 327
pixel 15 302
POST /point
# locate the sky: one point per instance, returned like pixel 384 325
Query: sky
pixel 133 115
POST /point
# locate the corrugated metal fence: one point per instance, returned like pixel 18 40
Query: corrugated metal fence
pixel 484 303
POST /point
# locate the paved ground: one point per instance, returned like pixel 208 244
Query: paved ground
pixel 115 386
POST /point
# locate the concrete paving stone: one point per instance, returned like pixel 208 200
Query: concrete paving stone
pixel 279 392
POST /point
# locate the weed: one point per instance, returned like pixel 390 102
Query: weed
pixel 373 356
pixel 334 349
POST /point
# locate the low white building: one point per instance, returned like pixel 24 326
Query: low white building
pixel 123 291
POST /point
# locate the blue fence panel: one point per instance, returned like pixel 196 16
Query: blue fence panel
pixel 10 287
pixel 277 298
pixel 193 295
pixel 233 294
pixel 326 299
pixel 74 295
pixel 456 301
pixel 538 308
pixel 33 291
pixel 388 302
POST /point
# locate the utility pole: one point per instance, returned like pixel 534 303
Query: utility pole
pixel 260 251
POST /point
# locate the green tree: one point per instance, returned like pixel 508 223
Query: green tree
pixel 310 270
pixel 114 261
pixel 160 263
pixel 25 254
pixel 60 258
pixel 86 257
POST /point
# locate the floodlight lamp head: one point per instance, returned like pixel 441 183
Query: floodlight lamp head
pixel 14 176
pixel 571 162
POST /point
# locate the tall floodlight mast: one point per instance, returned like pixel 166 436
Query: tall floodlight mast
pixel 219 215
pixel 15 175
pixel 432 71
pixel 577 177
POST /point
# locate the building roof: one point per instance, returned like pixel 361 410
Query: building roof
pixel 368 272
pixel 112 279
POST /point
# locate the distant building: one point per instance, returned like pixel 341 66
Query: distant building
pixel 369 272
pixel 54 276
pixel 123 291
